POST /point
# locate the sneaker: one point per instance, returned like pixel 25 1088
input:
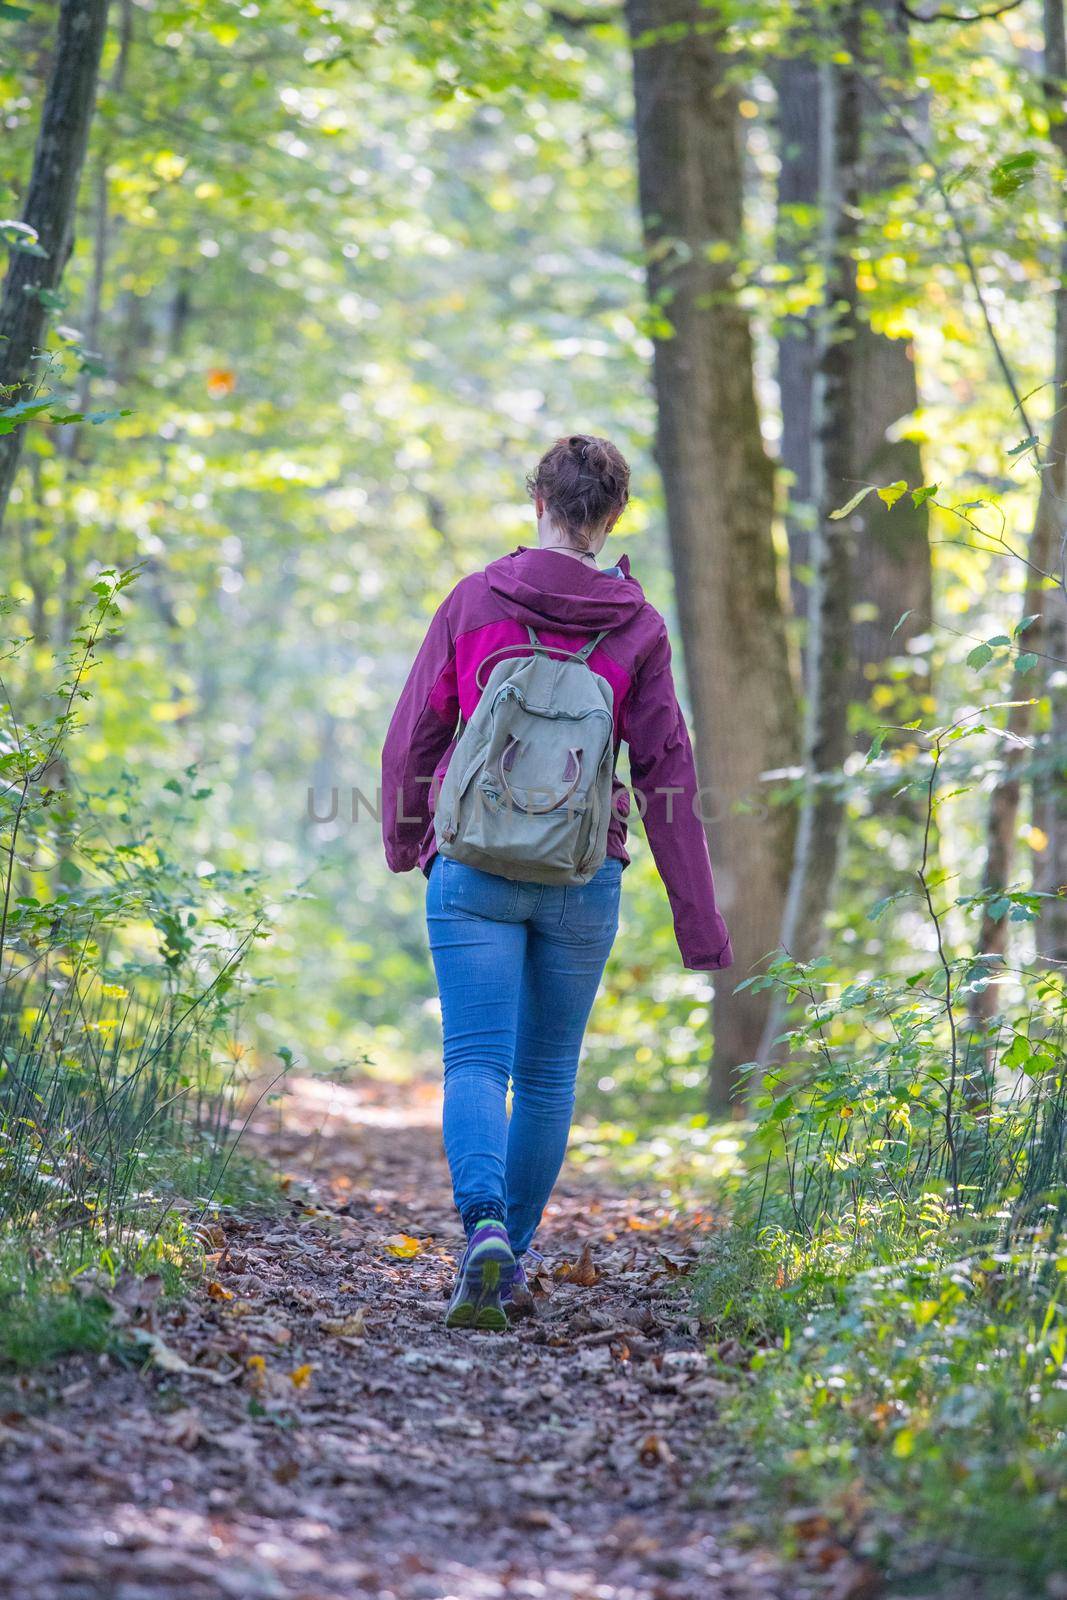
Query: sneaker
pixel 486 1274
pixel 519 1295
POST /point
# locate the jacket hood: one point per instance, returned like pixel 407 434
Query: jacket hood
pixel 541 588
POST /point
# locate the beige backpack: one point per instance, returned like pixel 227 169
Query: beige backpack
pixel 527 793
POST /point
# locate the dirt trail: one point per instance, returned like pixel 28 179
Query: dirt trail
pixel 353 1447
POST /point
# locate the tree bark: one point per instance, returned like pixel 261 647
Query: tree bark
pixel 829 655
pixel 1045 551
pixel 800 186
pixel 718 485
pixel 896 572
pixel 32 280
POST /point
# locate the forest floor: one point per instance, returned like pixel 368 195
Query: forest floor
pixel 306 1427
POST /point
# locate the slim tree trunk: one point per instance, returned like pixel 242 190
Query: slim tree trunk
pixel 830 651
pixel 800 188
pixel 895 573
pixel 1045 551
pixel 33 279
pixel 718 484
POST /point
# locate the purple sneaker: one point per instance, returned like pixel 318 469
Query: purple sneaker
pixel 485 1279
pixel 519 1296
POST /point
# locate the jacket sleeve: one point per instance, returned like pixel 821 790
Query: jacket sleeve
pixel 667 793
pixel 419 734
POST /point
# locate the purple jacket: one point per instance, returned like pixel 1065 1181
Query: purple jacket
pixel 566 601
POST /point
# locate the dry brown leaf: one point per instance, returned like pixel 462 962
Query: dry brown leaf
pixel 216 1291
pixel 583 1272
pixel 653 1450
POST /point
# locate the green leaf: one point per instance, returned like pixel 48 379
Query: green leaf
pixel 19 235
pixel 979 656
pixel 12 417
pixel 1026 663
pixel 1013 174
pixel 1024 445
pixel 920 496
pixel 850 506
pixel 1018 1053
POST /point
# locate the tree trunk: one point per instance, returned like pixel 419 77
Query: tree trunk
pixel 829 650
pixel 895 569
pixel 32 280
pixel 718 484
pixel 896 573
pixel 800 186
pixel 1050 792
pixel 1044 552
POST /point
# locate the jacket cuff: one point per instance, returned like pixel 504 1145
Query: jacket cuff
pixel 716 963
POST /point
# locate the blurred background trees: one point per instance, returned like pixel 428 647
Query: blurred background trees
pixel 339 274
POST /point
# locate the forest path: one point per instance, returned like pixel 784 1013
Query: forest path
pixel 354 1447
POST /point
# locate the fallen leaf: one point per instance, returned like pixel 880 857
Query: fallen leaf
pixel 216 1291
pixel 170 1361
pixel 185 1428
pixel 403 1245
pixel 582 1272
pixel 131 1297
pixel 653 1450
pixel 300 1376
pixel 353 1327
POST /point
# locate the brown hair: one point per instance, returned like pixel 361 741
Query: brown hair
pixel 582 480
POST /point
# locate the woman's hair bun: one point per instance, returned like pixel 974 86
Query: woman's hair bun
pixel 582 480
pixel 590 452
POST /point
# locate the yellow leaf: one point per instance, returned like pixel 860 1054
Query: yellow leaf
pixel 352 1327
pixel 300 1377
pixel 217 1292
pixel 403 1245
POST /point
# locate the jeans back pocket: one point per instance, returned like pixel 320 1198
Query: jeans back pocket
pixel 470 892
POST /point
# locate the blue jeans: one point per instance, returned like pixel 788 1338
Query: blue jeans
pixel 518 966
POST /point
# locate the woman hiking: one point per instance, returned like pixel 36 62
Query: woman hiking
pixel 498 782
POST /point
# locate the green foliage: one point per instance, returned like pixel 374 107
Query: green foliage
pixel 121 1076
pixel 898 1260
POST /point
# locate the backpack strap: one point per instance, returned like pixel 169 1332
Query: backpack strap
pixel 541 649
pixel 587 649
pixel 558 649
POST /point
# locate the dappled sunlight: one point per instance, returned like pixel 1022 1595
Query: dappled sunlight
pixel 322 1105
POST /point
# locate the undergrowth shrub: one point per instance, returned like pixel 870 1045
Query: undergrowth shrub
pixel 897 1265
pixel 121 1072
